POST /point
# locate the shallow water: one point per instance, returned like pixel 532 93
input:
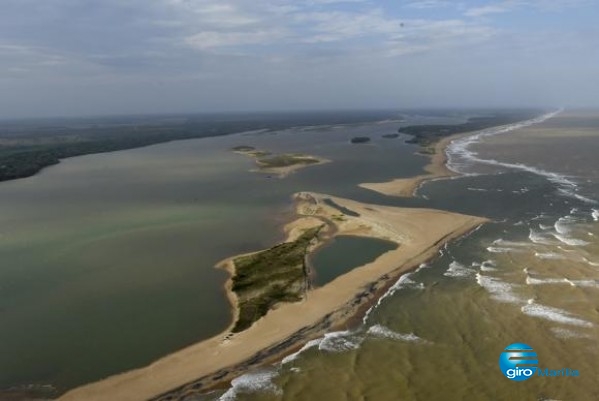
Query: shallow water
pixel 531 276
pixel 83 295
pixel 345 253
pixel 107 260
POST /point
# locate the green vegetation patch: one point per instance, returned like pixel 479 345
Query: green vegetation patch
pixel 269 277
pixel 286 160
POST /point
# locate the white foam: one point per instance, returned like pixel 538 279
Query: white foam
pixel 404 281
pixel 384 332
pixel 502 242
pixel 539 238
pixel 589 262
pixel 499 249
pixel 561 332
pixel 339 341
pixel 252 383
pixel 554 314
pixel 488 266
pixel 459 148
pixel 307 346
pixel 537 281
pixel 459 155
pixel 499 290
pixel 595 214
pixel 561 226
pixel 457 269
pixel 544 227
pixel 570 241
pixel 586 283
pixel 549 255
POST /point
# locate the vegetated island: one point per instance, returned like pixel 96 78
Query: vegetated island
pixel 280 165
pixel 29 145
pixel 390 136
pixel 433 140
pixel 360 139
pixel 275 309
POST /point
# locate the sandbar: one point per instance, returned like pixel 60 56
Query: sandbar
pixel 420 234
pixel 279 165
pixel 436 168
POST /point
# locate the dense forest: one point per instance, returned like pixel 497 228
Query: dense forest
pixel 27 146
pixel 427 135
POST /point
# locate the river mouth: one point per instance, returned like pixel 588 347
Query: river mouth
pixel 107 260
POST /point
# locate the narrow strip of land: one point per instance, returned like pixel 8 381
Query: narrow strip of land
pixel 436 168
pixel 419 232
pixel 433 141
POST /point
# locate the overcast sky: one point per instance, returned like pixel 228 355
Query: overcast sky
pixel 89 57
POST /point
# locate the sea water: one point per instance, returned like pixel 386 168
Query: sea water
pixel 529 276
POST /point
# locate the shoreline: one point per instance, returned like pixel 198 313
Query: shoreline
pixel 436 168
pixel 214 362
pixel 261 159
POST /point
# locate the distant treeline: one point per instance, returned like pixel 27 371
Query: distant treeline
pixel 427 135
pixel 27 146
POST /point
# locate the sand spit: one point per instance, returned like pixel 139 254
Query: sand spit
pixel 420 233
pixel 406 187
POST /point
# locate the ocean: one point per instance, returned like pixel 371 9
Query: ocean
pixel 108 263
pixel 530 276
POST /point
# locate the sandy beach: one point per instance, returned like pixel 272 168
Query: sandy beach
pixel 284 171
pixel 419 232
pixel 406 187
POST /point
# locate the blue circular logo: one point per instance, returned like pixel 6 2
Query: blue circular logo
pixel 518 362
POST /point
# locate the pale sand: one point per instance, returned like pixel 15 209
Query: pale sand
pixel 406 187
pixel 420 233
pixel 280 172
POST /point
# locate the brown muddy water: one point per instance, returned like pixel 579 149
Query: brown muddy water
pixel 531 276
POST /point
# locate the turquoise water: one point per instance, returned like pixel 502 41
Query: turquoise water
pixel 344 253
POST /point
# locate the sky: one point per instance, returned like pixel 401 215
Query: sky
pixel 96 57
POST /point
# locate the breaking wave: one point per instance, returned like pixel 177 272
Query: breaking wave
pixel 459 155
pixel 381 331
pixel 499 290
pixel 252 383
pixel 553 314
pixel 457 269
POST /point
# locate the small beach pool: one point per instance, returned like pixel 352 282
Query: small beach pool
pixel 345 253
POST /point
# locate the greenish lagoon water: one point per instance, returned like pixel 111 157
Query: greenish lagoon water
pixel 107 263
pixel 107 260
pixel 345 253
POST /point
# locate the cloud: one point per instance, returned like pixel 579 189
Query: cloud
pixel 488 9
pixel 213 39
pixel 428 4
pixel 188 51
pixel 513 5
